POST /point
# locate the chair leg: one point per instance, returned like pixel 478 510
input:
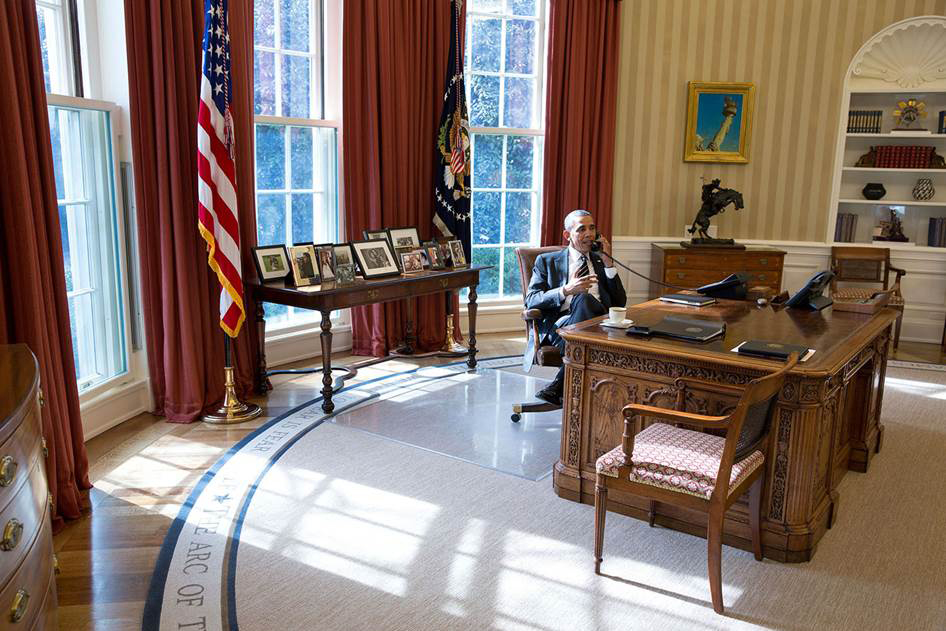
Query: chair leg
pixel 755 517
pixel 714 545
pixel 652 512
pixel 601 510
pixel 896 334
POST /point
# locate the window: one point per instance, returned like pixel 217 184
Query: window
pixel 88 218
pixel 296 147
pixel 56 45
pixel 504 68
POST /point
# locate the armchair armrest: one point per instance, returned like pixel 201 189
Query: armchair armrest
pixel 900 274
pixel 636 409
pixel 531 314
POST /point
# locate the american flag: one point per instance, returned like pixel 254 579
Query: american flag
pixel 218 221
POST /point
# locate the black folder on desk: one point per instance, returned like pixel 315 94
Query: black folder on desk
pixel 771 350
pixel 680 328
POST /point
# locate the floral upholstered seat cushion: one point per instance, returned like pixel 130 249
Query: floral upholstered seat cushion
pixel 863 293
pixel 678 460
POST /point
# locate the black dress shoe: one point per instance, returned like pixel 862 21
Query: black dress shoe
pixel 551 393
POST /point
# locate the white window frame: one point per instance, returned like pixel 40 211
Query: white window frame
pixel 539 132
pixel 64 45
pixel 296 341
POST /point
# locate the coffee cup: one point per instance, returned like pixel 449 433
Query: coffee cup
pixel 616 314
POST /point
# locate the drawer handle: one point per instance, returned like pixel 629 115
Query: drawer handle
pixel 18 608
pixel 41 397
pixel 443 283
pixel 761 276
pixel 45 448
pixel 11 534
pixel 681 260
pixel 7 470
pixel 681 275
pixel 372 294
pixel 763 261
pixel 56 569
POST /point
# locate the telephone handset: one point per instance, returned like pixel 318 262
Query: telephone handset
pixel 596 244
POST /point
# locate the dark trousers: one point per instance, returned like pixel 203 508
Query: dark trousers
pixel 583 307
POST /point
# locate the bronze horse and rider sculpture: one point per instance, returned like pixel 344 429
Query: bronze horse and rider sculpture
pixel 715 201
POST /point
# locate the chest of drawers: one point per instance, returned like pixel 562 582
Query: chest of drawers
pixel 693 267
pixel 27 585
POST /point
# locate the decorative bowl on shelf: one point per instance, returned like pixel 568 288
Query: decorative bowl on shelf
pixel 874 190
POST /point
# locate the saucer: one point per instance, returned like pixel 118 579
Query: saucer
pixel 617 325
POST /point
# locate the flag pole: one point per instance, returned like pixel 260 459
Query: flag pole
pixel 232 410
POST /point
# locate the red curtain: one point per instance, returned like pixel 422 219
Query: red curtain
pixel 33 304
pixel 584 47
pixel 180 293
pixel 394 63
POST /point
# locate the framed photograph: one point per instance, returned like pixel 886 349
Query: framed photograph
pixel 272 262
pixel 433 257
pixel 456 253
pixel 375 258
pixel 325 255
pixel 345 255
pixel 719 122
pixel 344 273
pixel 404 237
pixel 370 235
pixel 304 267
pixel 445 256
pixel 412 262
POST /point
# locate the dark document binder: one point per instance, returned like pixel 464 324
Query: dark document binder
pixel 693 300
pixel 688 329
pixel 772 350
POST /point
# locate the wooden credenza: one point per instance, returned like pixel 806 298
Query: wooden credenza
pixel 27 583
pixel 694 267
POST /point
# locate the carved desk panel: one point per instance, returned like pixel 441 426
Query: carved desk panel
pixel 826 420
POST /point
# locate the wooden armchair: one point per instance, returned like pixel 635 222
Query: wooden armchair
pixel 693 469
pixel 536 353
pixel 866 265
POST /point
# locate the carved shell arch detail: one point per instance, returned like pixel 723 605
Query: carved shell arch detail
pixel 910 53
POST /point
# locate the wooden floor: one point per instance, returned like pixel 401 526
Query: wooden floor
pixel 145 468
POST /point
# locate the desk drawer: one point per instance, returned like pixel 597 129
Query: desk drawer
pixel 693 278
pixel 17 454
pixel 21 518
pixel 25 593
pixel 737 261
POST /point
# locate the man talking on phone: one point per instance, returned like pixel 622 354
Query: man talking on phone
pixel 570 286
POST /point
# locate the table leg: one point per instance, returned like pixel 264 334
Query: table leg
pixel 262 381
pixel 326 338
pixel 409 337
pixel 471 313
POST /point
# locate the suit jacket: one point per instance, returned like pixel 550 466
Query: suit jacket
pixel 548 275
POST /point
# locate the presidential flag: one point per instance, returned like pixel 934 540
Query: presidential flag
pixel 218 220
pixel 452 177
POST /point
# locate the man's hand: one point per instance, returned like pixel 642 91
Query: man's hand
pixel 606 248
pixel 580 285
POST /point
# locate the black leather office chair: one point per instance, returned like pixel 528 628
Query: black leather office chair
pixel 545 355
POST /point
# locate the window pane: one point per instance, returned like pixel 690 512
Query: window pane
pixel 518 217
pixel 522 7
pixel 512 282
pixel 302 218
pixel 264 72
pixel 270 157
pixel 264 33
pixel 275 314
pixel 520 42
pixel 300 147
pixel 89 230
pixel 484 101
pixel 295 86
pixel 489 279
pixel 519 156
pixel 271 218
pixel 57 150
pixel 492 6
pixel 486 217
pixel 518 102
pixel 486 44
pixel 487 161
pixel 295 24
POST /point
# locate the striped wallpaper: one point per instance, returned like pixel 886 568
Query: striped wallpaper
pixel 795 52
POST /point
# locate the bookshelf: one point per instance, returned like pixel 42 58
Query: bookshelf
pixel 884 72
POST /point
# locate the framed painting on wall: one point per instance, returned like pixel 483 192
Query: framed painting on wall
pixel 719 122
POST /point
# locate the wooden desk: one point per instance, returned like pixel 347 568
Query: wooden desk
pixel 826 419
pixel 329 297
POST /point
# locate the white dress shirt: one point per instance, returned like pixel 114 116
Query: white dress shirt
pixel 574 262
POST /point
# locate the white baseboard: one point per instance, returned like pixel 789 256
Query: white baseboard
pixel 114 406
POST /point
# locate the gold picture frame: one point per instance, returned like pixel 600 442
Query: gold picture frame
pixel 719 121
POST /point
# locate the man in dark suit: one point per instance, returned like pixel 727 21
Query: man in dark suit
pixel 570 286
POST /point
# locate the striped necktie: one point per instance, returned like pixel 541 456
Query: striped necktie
pixel 582 267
